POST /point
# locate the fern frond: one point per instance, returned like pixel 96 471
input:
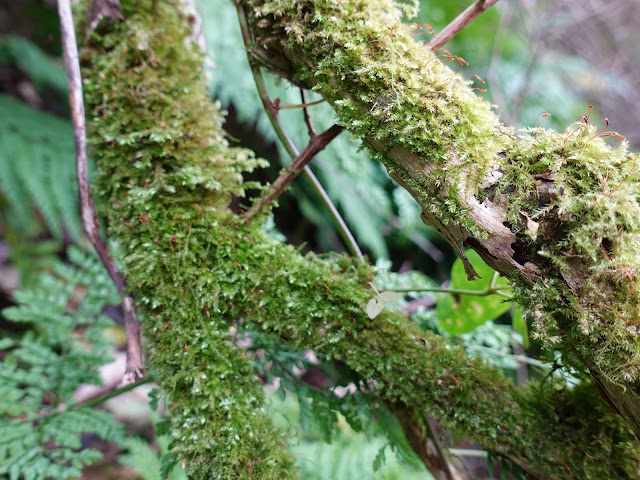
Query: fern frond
pixel 40 435
pixel 37 170
pixel 27 56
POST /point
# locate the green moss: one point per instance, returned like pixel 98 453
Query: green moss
pixel 569 198
pixel 591 219
pixel 166 176
pixel 384 85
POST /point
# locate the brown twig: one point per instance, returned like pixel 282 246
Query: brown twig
pixel 87 207
pixel 459 23
pixel 316 144
pixel 418 433
pixel 307 116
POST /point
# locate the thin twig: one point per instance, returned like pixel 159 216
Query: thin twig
pixel 459 23
pixel 288 145
pixel 436 463
pixel 444 461
pixel 95 401
pixel 317 143
pixel 304 104
pixel 87 207
pixel 307 115
pixel 456 291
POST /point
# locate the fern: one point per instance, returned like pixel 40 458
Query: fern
pixel 147 462
pixel 350 455
pixel 40 429
pixel 37 170
pixel 27 56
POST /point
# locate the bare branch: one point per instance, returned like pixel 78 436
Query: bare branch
pixel 307 116
pixel 272 112
pixel 87 207
pixel 459 23
pixel 316 144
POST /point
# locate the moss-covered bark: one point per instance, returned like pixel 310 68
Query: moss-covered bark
pixel 556 212
pixel 166 175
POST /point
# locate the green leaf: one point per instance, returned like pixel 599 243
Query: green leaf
pixel 461 313
pixel 378 462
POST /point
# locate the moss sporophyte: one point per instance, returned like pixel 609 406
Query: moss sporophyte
pixel 166 176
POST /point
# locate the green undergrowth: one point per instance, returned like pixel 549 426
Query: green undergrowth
pixel 42 430
pixel 197 269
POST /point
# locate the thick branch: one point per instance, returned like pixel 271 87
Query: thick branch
pixel 482 187
pixel 199 268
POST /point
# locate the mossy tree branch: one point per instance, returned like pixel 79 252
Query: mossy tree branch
pixel 541 207
pixel 166 176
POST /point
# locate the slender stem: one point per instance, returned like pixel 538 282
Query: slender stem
pixel 90 225
pixel 455 291
pixel 465 452
pixel 459 23
pixel 113 393
pixel 288 145
pixel 307 116
pixel 302 105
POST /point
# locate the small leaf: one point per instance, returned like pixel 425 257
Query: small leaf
pixel 388 297
pixel 374 307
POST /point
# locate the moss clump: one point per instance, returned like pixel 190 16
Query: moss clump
pixel 165 180
pixel 582 195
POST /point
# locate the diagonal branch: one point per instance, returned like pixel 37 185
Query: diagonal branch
pixel 461 21
pixel 316 144
pixel 87 207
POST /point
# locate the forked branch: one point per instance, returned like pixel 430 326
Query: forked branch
pixel 316 144
pixel 272 112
